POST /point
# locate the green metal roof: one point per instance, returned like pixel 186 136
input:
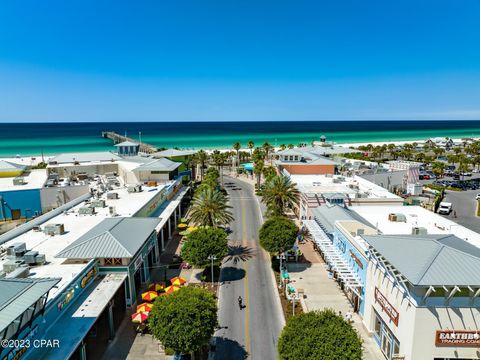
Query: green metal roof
pixel 17 295
pixel 120 237
pixel 430 260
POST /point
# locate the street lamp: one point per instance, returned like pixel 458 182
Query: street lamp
pixel 281 257
pixel 212 258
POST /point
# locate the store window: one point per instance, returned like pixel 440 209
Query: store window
pixel 388 344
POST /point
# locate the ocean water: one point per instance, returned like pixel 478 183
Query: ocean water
pixel 53 138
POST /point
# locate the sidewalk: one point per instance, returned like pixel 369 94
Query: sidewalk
pixel 322 292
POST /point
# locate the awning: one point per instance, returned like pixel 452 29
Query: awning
pixel 333 256
pixel 78 319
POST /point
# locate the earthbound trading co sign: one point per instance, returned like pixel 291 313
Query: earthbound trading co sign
pixel 386 306
pixel 457 338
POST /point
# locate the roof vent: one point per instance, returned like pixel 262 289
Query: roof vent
pixel 416 230
pixel 397 217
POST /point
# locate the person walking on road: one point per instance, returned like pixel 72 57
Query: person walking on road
pixel 240 302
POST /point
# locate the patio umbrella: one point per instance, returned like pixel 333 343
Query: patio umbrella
pixel 149 295
pixel 139 317
pixel 145 307
pixel 156 287
pixel 171 289
pixel 192 228
pixel 178 281
pixel 182 226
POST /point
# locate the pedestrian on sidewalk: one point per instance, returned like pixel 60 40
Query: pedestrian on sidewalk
pixel 240 302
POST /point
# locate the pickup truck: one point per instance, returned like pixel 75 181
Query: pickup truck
pixel 445 208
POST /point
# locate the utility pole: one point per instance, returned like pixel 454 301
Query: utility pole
pixel 212 258
pixel 281 257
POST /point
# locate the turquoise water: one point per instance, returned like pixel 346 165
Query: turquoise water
pixel 51 138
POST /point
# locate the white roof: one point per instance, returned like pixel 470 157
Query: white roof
pixel 174 152
pixel 415 216
pixel 33 180
pixel 161 164
pixel 127 143
pixel 75 226
pixel 9 166
pixel 80 157
pixel 322 184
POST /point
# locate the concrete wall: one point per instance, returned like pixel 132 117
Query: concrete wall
pixel 417 325
pixel 90 169
pixel 54 197
pixel 28 201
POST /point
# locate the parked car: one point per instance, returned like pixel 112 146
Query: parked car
pixel 445 208
pixel 477 197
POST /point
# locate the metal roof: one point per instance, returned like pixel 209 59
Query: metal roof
pixel 162 164
pixel 430 260
pixel 67 158
pixel 326 215
pixel 120 237
pixel 173 152
pixel 17 295
pixel 289 152
pixel 9 166
pixel 126 143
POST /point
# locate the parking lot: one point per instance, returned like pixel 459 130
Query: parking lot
pixel 464 207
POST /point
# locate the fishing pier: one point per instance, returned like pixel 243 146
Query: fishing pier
pixel 117 138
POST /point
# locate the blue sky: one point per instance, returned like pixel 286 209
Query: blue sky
pixel 175 60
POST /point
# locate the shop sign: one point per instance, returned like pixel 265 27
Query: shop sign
pixel 356 259
pixel 68 297
pixel 386 306
pixel 460 338
pixel 87 278
pixel 398 357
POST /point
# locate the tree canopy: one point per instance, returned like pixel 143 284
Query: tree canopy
pixel 185 320
pixel 279 193
pixel 278 234
pixel 319 335
pixel 203 242
pixel 209 207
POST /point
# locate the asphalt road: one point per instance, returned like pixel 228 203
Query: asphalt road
pixel 464 205
pixel 250 332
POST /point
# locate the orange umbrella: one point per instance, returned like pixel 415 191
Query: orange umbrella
pixel 149 295
pixel 139 317
pixel 145 307
pixel 156 287
pixel 178 281
pixel 171 289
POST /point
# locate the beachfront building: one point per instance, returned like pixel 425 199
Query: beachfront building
pixel 159 170
pixel 127 148
pixel 295 162
pixel 10 169
pixel 422 296
pixel 319 190
pixel 182 156
pixel 99 249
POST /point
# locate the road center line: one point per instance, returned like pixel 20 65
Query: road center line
pixel 247 335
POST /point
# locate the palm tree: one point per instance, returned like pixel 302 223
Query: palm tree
pixel 291 146
pixel 201 158
pixel 267 148
pixel 438 168
pixel 257 170
pixel 283 147
pixel 209 208
pixel 219 160
pixel 280 193
pixel 237 148
pixel 251 145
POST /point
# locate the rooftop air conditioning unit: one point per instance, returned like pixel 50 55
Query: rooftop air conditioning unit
pixel 86 210
pixel 416 230
pixel 19 181
pixel 40 259
pixel 112 196
pixel 11 265
pixel 98 203
pixel 21 272
pixel 29 257
pixel 112 211
pixel 54 229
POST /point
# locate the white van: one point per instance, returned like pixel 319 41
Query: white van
pixel 445 208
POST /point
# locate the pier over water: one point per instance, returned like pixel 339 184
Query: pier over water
pixel 117 138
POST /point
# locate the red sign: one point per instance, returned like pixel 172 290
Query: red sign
pixel 386 306
pixel 460 338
